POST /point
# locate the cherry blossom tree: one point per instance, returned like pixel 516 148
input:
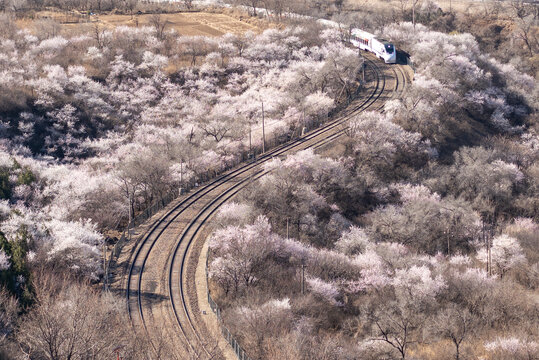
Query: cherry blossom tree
pixel 426 222
pixel 438 98
pixel 383 146
pixel 506 254
pixel 328 291
pixel 512 348
pixel 4 260
pixel 241 254
pixel 256 324
pixel 353 242
pixel 68 318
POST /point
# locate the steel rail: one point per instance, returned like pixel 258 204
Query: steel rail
pixel 163 223
pixel 191 199
pixel 206 213
pixel 396 95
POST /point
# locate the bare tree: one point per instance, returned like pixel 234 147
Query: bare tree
pixel 159 24
pixel 99 36
pixel 129 6
pixel 8 314
pixel 47 28
pixel 195 46
pixel 8 28
pixel 396 325
pixel 17 5
pixel 72 321
pixel 527 31
pixel 188 4
pixel 455 323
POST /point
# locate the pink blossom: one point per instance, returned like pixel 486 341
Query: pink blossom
pixel 513 347
pixel 418 282
pixel 4 260
pixel 326 290
pixel 506 254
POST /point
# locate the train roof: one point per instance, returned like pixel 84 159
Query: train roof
pixel 362 34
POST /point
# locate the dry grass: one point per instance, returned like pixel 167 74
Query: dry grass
pixel 191 23
pixel 207 23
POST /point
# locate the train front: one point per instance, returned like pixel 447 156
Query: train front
pixel 390 54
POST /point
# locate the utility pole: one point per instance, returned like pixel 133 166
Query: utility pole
pixel 250 143
pixel 181 176
pixel 303 121
pixel 447 236
pixel 287 219
pixel 414 2
pixel 486 238
pixel 263 130
pixel 129 207
pixel 302 279
pixel 489 257
pixel 362 66
pixel 363 70
pixel 105 278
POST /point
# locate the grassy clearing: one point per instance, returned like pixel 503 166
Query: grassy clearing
pixel 207 23
pixel 190 23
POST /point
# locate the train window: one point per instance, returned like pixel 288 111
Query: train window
pixel 389 48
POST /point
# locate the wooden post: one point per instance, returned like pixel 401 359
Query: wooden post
pixel 489 259
pixel 302 279
pixel 413 12
pixel 263 131
pixel 181 176
pixel 105 278
pixel 304 125
pixel 130 209
pixel 363 69
pixel 485 239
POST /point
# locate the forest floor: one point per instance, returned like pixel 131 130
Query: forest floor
pixel 206 23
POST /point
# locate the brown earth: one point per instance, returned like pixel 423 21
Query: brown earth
pixel 206 23
pixel 189 23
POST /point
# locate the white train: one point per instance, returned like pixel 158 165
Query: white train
pixel 380 47
pixel 367 41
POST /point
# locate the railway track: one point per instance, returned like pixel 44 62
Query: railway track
pixel 160 289
pixel 400 81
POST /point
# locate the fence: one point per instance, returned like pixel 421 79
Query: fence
pixel 137 220
pixel 238 350
pixel 272 141
pixel 275 141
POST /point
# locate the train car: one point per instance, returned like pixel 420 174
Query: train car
pixel 380 47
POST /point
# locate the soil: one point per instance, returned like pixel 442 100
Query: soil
pixel 205 23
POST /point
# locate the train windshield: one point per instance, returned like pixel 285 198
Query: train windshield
pixel 389 48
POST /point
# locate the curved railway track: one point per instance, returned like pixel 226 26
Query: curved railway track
pixel 161 294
